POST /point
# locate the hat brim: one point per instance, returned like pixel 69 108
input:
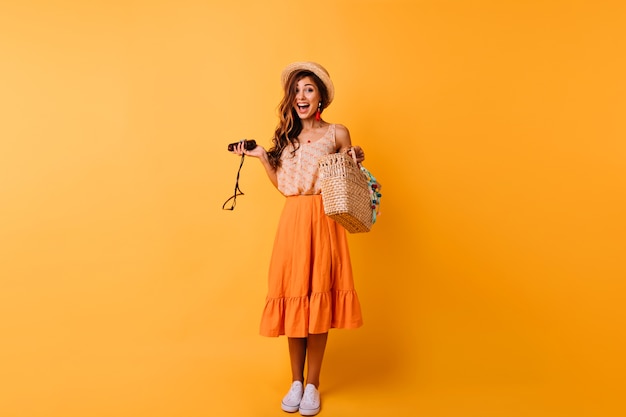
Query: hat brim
pixel 316 69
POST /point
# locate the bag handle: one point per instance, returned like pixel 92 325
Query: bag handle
pixel 352 153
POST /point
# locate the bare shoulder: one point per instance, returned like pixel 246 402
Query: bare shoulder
pixel 342 137
pixel 341 131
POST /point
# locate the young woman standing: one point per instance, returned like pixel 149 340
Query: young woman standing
pixel 311 288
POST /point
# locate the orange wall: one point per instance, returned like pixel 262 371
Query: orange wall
pixel 493 283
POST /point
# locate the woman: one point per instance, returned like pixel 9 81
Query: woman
pixel 311 288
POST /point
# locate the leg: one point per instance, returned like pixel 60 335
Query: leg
pixel 315 351
pixel 297 355
pixel 310 404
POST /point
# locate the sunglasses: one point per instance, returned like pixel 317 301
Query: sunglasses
pixel 232 201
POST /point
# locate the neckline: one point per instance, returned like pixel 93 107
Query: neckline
pixel 311 142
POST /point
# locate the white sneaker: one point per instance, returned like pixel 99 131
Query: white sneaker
pixel 310 404
pixel 291 401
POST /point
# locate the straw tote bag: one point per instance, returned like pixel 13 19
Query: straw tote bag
pixel 350 193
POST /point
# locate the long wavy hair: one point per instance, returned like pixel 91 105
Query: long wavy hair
pixel 290 125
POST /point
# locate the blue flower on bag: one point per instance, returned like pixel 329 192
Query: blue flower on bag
pixel 375 194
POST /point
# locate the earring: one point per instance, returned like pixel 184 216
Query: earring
pixel 318 114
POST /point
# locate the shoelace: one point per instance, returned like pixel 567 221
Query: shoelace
pixel 294 396
pixel 310 395
pixel 295 392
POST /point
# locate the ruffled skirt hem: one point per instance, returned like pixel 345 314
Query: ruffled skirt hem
pixel 301 316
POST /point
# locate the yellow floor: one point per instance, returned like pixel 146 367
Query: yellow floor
pixel 247 375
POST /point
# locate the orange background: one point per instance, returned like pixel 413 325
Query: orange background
pixel 493 284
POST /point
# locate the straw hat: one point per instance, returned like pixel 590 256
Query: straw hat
pixel 316 69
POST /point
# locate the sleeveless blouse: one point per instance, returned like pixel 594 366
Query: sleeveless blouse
pixel 298 173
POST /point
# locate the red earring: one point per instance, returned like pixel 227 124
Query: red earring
pixel 318 114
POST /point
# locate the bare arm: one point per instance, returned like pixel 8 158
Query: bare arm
pixel 344 143
pixel 260 153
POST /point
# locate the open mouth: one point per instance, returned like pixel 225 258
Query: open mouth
pixel 303 107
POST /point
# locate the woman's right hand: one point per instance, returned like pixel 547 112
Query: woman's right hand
pixel 257 152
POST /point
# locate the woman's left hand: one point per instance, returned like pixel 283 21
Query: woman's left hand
pixel 359 154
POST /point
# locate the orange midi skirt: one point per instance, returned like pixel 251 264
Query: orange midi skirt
pixel 311 288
